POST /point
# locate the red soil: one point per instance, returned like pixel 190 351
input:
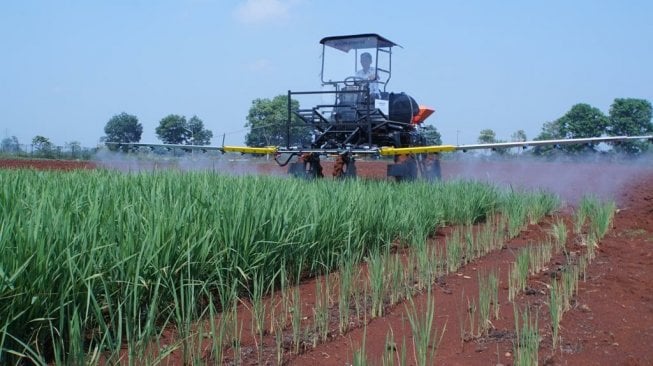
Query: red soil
pixel 45 164
pixel 610 323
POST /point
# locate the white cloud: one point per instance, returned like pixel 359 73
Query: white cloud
pixel 262 11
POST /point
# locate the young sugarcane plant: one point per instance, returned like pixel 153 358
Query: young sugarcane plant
pixel 527 337
pixel 278 339
pixel 388 358
pixel 321 310
pixel 376 267
pixel 540 255
pixel 296 319
pixel 471 315
pixel 555 310
pixel 346 275
pixel 518 277
pixel 258 308
pixel 397 279
pixel 559 234
pixel 420 249
pixel 236 331
pixel 493 282
pixel 588 207
pixel 425 334
pixel 360 356
pixel 601 218
pixel 454 251
pixel 487 296
pixel 218 331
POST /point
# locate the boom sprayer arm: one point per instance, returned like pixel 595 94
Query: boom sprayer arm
pixel 388 150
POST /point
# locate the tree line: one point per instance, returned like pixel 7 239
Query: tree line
pixel 42 147
pixel 172 129
pixel 266 121
pixel 125 128
pixel 626 117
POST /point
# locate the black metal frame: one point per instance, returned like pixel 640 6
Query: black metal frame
pixel 353 122
pixel 349 124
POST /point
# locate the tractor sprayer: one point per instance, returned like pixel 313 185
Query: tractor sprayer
pixel 355 114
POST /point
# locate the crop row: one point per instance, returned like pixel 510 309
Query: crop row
pixel 591 222
pixel 94 260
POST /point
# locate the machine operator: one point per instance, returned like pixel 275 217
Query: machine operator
pixel 368 73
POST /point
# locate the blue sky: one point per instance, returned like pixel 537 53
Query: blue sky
pixel 67 66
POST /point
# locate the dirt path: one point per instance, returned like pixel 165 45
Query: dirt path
pixel 613 323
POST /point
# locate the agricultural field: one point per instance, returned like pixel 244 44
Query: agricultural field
pixel 176 267
pixel 45 164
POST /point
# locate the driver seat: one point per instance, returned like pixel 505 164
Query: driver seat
pixel 349 98
pixel 347 102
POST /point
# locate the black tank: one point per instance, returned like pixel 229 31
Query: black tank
pixel 402 107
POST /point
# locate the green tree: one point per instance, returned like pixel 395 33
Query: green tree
pixel 10 145
pixel 581 121
pixel 199 135
pixel 174 129
pixel 267 121
pixel 487 136
pixel 123 128
pixel 42 146
pixel 519 136
pixel 41 142
pixel 75 148
pixel 431 135
pixel 630 117
pixel 550 131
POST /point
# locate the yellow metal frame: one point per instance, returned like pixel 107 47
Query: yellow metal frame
pixel 388 150
pixel 251 150
pixel 384 151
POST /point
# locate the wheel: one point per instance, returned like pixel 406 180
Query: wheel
pixel 308 166
pixel 405 170
pixel 431 169
pixel 344 167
